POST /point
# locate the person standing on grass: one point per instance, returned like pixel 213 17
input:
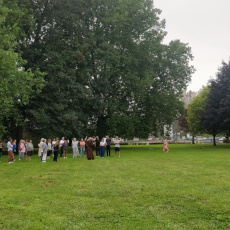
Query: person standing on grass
pixel 39 149
pixel 165 149
pixel 108 144
pixel 53 143
pixel 26 143
pixel 22 150
pixel 75 148
pixel 65 149
pixel 102 148
pixel 97 142
pixel 62 141
pixel 90 147
pixel 82 147
pixel 30 149
pixel 19 153
pixel 42 147
pixel 14 147
pixel 45 148
pixel 56 150
pixel 1 148
pixel 86 140
pixel 10 151
pixel 49 149
pixel 117 146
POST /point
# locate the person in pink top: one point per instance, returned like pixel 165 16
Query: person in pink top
pixel 82 147
pixel 22 150
pixel 165 149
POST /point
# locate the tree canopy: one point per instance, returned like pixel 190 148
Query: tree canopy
pixel 209 112
pixel 216 117
pixel 196 110
pixel 107 68
pixel 17 84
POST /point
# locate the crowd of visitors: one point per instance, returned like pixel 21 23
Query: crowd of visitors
pixel 46 148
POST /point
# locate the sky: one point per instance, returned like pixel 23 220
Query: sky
pixel 205 26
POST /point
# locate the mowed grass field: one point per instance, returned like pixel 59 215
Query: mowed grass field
pixel 186 188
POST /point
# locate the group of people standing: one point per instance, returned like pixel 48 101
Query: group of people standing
pixel 47 147
pixel 25 149
pixel 87 147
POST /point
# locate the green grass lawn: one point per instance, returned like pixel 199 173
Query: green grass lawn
pixel 187 188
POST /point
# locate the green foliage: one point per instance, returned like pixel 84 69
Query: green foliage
pixel 17 85
pixel 107 69
pixel 195 111
pixel 210 111
pixel 215 118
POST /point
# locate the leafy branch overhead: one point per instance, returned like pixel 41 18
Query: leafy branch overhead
pixel 17 84
pixel 107 68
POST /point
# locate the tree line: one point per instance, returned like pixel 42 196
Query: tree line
pixel 83 66
pixel 209 112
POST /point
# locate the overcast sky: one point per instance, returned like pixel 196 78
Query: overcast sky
pixel 205 25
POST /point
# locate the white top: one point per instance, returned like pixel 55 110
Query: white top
pixel 62 142
pixel 74 144
pixel 117 143
pixel 102 143
pixel 9 146
pixel 41 146
pixel 49 146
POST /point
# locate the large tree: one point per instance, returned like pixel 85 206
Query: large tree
pixel 196 110
pixel 107 69
pixel 216 117
pixel 17 85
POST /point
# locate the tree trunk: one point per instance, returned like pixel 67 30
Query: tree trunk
pixel 193 140
pixel 214 139
pixel 227 139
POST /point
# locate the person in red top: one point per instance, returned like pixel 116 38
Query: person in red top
pixel 82 147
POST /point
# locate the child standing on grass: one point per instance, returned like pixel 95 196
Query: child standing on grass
pixel 22 150
pixel 30 149
pixel 1 147
pixel 65 148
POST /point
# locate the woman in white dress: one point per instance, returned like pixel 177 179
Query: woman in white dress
pixel 75 148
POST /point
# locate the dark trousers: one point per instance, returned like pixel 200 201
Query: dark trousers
pixel 49 153
pixel 61 153
pixel 55 156
pixel 102 151
pixel 108 150
pixel 98 151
